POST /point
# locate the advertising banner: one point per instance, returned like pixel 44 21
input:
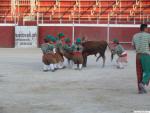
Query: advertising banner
pixel 26 36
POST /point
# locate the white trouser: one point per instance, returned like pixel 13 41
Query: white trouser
pixel 80 66
pixel 45 67
pixel 60 65
pixel 70 64
pixel 55 66
pixel 120 65
pixel 74 66
pixel 51 66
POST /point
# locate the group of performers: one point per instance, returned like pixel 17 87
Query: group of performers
pixel 54 49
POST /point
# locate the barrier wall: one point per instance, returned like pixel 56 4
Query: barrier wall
pixel 7 36
pixel 124 34
pixel 45 30
pixel 91 33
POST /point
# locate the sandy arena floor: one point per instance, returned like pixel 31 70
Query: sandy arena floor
pixel 24 88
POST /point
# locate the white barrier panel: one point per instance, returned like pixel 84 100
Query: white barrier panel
pixel 26 36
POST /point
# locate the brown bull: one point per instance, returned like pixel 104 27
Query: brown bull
pixel 92 48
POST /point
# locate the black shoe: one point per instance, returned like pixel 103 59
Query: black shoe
pixel 45 70
pixel 53 70
pixel 63 67
pixel 56 69
pixel 143 90
pixel 76 68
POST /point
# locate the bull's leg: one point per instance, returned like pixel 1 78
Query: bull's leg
pixel 98 57
pixel 68 62
pixel 84 60
pixel 104 58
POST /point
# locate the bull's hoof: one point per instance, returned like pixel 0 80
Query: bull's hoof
pixel 63 67
pixel 53 70
pixel 103 66
pixel 84 66
pixel 45 70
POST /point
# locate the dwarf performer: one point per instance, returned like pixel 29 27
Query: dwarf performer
pixel 77 53
pixel 48 57
pixel 120 51
pixel 57 55
pixel 68 52
pixel 59 45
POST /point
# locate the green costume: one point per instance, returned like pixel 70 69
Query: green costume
pixel 67 47
pixel 77 47
pixel 47 48
pixel 48 54
pixel 61 35
pixel 145 61
pixel 115 40
pixel 118 50
pixel 77 52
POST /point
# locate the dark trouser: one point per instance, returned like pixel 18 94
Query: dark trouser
pixel 78 58
pixel 139 70
pixel 59 57
pixel 49 58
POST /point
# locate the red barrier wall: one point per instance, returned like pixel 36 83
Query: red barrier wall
pixel 91 33
pixel 7 36
pixel 124 34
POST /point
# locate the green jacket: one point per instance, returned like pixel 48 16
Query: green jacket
pixel 77 48
pixel 47 48
pixel 118 50
pixel 67 48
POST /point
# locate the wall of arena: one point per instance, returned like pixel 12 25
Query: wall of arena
pixel 91 32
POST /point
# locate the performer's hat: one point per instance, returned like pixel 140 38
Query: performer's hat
pixel 61 35
pixel 115 40
pixel 78 40
pixel 53 39
pixel 49 37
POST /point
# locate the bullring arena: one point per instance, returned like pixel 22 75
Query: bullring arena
pixel 25 88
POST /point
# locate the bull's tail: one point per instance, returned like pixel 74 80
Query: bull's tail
pixel 112 55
